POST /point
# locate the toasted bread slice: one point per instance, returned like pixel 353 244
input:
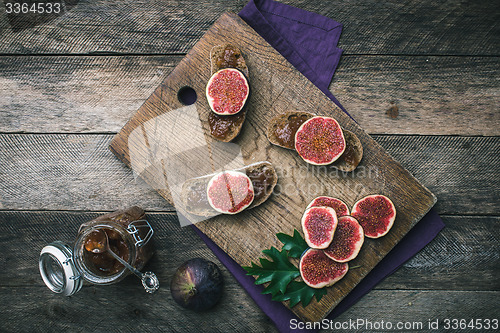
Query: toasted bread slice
pixel 218 61
pixel 352 155
pixel 281 132
pixel 226 128
pixel 194 190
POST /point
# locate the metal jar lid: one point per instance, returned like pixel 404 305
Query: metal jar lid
pixel 58 270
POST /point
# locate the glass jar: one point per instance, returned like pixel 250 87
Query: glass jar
pixel 128 235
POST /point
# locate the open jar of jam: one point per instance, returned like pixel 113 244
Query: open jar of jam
pixel 99 247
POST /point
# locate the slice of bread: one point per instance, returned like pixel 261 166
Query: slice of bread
pixel 352 155
pixel 217 53
pixel 231 124
pixel 347 162
pixel 197 186
pixel 226 128
pixel 279 122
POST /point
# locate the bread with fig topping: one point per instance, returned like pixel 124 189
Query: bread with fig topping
pixel 226 128
pixel 194 190
pixel 281 133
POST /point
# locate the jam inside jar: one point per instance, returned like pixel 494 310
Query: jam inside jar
pixel 128 236
pixel 100 261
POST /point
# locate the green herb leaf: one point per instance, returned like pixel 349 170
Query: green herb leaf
pixel 278 272
pixel 300 292
pixel 295 245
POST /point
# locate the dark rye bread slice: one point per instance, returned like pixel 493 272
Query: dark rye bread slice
pixel 287 124
pixel 226 128
pixel 197 188
pixel 281 125
pixel 352 155
pixel 217 56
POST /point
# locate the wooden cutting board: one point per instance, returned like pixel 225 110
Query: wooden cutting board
pixel 276 87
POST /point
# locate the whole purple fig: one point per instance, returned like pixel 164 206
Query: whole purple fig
pixel 197 284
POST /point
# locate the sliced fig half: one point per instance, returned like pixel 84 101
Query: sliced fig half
pixel 340 207
pixel 376 214
pixel 318 271
pixel 320 141
pixel 282 129
pixel 318 224
pixel 194 191
pixel 230 192
pixel 227 91
pixel 347 240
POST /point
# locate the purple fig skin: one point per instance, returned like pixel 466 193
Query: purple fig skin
pixel 197 284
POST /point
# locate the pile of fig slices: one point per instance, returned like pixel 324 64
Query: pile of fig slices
pixel 335 236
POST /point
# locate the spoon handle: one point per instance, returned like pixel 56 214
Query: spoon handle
pixel 126 264
pixel 149 280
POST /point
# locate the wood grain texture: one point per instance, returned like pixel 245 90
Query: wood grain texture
pixel 142 26
pixel 127 312
pixel 51 172
pixel 99 94
pixel 146 26
pixel 432 95
pixel 467 244
pixel 121 307
pixel 72 171
pixel 75 94
pixel 462 171
pixel 162 140
pixel 410 306
pixel 437 278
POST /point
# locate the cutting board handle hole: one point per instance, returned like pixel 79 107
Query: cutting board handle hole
pixel 187 95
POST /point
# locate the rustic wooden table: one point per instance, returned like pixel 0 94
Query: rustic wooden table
pixel 422 77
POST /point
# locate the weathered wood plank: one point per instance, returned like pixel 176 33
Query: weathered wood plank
pixel 115 309
pixel 76 94
pixel 421 95
pixel 461 171
pixel 433 95
pixel 414 307
pixel 111 309
pixel 51 172
pixel 77 171
pixel 144 26
pixel 467 244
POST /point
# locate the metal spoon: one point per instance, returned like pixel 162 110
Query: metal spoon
pixel 149 280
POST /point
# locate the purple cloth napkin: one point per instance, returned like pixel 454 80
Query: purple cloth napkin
pixel 308 41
